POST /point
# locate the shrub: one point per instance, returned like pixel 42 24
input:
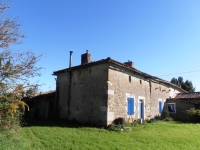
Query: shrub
pixel 11 111
pixel 194 114
pixel 165 114
pixel 168 119
pixel 158 117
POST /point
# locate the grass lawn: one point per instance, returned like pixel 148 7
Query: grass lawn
pixel 155 136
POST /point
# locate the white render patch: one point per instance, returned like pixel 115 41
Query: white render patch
pixel 110 116
pixel 109 82
pixel 148 109
pixel 110 92
pixel 130 95
pixel 103 108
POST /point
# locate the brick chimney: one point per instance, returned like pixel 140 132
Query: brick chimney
pixel 86 58
pixel 129 63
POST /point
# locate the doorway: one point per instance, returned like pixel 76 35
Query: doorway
pixel 141 109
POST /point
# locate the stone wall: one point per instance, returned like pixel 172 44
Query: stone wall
pixel 98 94
pixel 41 106
pixel 84 97
pixel 63 84
pixel 125 83
pixel 181 107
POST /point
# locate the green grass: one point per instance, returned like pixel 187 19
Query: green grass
pixel 155 136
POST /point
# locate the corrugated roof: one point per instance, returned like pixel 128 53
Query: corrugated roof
pixel 109 60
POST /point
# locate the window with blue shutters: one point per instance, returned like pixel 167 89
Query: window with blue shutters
pixel 171 107
pixel 130 103
pixel 160 107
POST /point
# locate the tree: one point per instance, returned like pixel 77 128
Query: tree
pixel 187 85
pixel 16 67
pixel 9 28
pixel 32 91
pixel 174 81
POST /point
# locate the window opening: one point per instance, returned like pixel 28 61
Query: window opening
pixel 130 79
pixel 171 107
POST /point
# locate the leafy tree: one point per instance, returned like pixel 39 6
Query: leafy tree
pixel 180 81
pixel 187 85
pixel 174 81
pixel 16 67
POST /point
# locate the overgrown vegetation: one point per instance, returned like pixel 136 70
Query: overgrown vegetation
pixel 16 69
pixel 165 116
pixel 194 114
pixel 11 109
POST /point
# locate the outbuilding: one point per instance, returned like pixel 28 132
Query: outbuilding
pixel 181 102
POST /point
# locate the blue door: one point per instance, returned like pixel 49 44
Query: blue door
pixel 141 109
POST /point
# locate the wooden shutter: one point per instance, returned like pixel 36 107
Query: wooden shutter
pixel 160 107
pixel 130 106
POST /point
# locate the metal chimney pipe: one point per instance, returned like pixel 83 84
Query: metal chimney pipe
pixel 70 59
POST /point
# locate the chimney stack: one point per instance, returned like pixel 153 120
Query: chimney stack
pixel 86 58
pixel 129 63
pixel 70 59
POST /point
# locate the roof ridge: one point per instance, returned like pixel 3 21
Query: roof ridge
pixel 108 59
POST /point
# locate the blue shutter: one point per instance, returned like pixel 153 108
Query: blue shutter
pixel 160 107
pixel 173 107
pixel 133 107
pixel 130 106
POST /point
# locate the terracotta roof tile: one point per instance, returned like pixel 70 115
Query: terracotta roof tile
pixel 187 95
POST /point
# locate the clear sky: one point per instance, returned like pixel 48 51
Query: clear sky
pixel 161 37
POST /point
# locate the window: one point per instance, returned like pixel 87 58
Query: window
pixel 130 103
pixel 140 81
pixel 130 79
pixel 171 107
pixel 160 106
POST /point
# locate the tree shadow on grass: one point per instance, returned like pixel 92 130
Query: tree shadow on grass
pixel 185 122
pixel 28 122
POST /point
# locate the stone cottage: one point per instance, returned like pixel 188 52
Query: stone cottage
pixel 100 92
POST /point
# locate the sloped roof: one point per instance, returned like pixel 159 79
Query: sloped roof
pixel 193 95
pixel 109 60
pixel 193 98
pixel 42 94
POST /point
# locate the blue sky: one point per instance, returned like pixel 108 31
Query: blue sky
pixel 161 37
